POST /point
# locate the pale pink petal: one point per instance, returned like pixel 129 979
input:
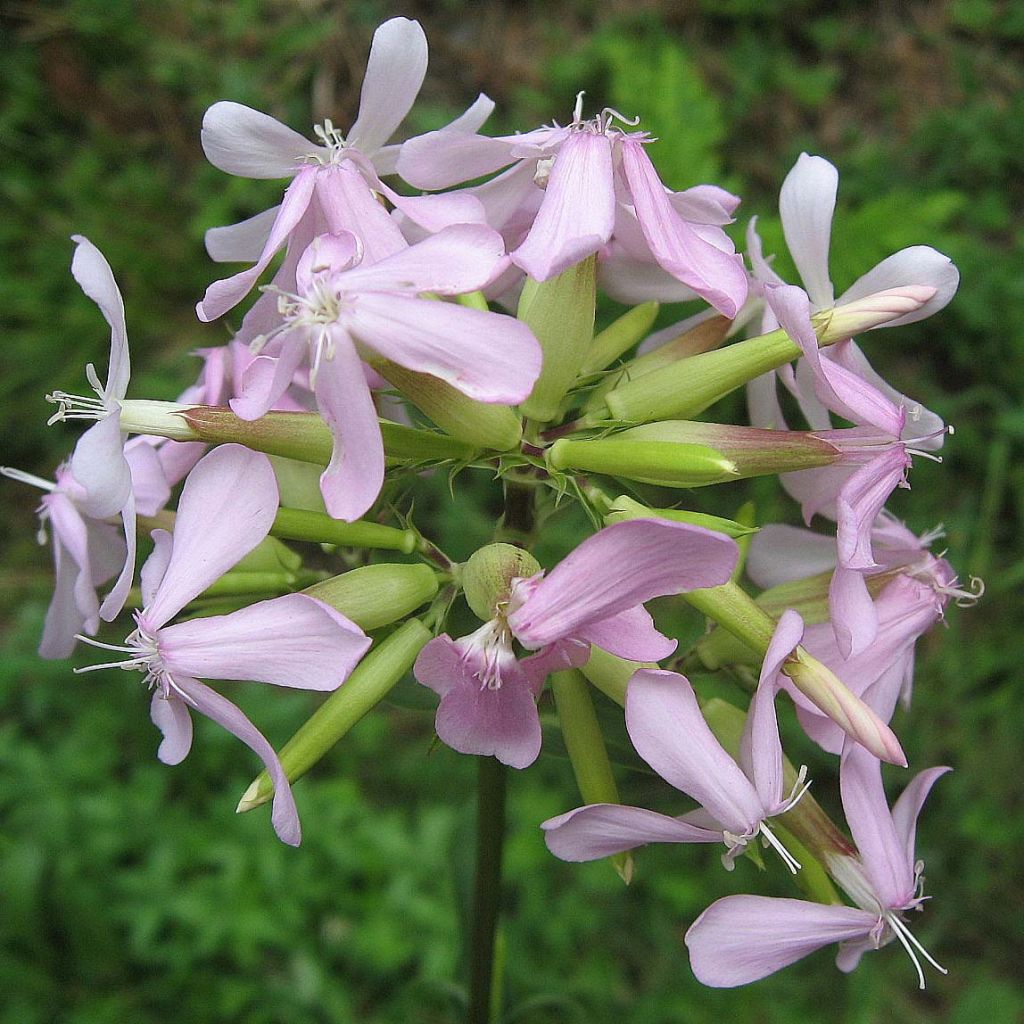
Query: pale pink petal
pixel 226 508
pixel 807 202
pixel 250 144
pixel 780 553
pixel 96 279
pixel 177 459
pixel 99 465
pixel 669 732
pixel 600 830
pixel 436 212
pixel 457 259
pixel 294 640
pixel 763 272
pixel 619 567
pixel 716 275
pixel 352 481
pixel 630 634
pixel 394 73
pixel 854 618
pixel 285 816
pixel 488 356
pixel 73 607
pixel 224 295
pixel 577 213
pixel 447 157
pixel 348 204
pixel 242 242
pixel 267 378
pixel 881 848
pixel 705 204
pixel 170 715
pixel 907 808
pixel 763 403
pixel 740 939
pixel 632 280
pixel 760 746
pixel 114 601
pixel 473 718
pixel 149 485
pixel 918 264
pixel 860 500
pixel 155 566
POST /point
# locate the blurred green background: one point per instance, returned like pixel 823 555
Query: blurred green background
pixel 130 892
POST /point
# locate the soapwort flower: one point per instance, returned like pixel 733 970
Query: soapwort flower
pixel 227 506
pixel 336 183
pixel 740 939
pixel 594 595
pixel 737 797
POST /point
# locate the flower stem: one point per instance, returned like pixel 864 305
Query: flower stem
pixel 490 834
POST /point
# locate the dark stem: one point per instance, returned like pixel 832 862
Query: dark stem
pixel 490 834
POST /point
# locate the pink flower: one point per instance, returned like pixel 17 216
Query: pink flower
pixel 594 595
pixel 335 183
pixel 740 939
pixel 568 190
pixel 669 732
pixel 227 507
pixel 341 300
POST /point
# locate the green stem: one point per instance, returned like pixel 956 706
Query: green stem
pixel 490 834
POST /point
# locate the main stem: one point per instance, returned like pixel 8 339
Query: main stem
pixel 490 836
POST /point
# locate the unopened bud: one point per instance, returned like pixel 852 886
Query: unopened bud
pixel 619 337
pixel 652 462
pixel 488 574
pixel 376 595
pixel 873 311
pixel 624 508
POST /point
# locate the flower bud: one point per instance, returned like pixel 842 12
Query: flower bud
pixel 375 595
pixel 480 424
pixel 652 462
pixel 618 337
pixel 320 528
pixel 368 685
pixel 488 574
pixel 560 312
pixel 624 508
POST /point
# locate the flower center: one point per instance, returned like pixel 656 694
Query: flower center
pixel 75 407
pixel 333 142
pixel 489 650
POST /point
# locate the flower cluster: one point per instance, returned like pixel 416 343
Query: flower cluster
pixel 400 333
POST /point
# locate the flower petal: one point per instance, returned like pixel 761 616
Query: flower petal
pixel 170 715
pixel 488 356
pixel 917 264
pixel 670 734
pixel 860 500
pixel 854 618
pixel 616 569
pixel 630 634
pixel 348 204
pixel 447 157
pixel 115 600
pixel 250 144
pixel 284 816
pixel 779 554
pixel 577 213
pixel 352 481
pixel 150 486
pixel 96 279
pixel 600 830
pixel 226 508
pixel 807 202
pixel 99 465
pixel 907 808
pixel 294 641
pixel 154 568
pixel 394 73
pixel 242 242
pixel 740 939
pixel 713 273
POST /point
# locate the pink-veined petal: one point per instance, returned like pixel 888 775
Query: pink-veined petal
pixel 150 486
pixel 617 568
pixel 437 212
pixel 760 746
pixel 780 553
pixel 705 204
pixel 242 242
pixel 860 500
pixel 99 465
pixel 227 293
pixel 115 600
pixel 284 815
pixel 716 275
pixel 601 830
pixel 266 379
pixel 670 734
pixel 348 204
pixel 917 264
pixel 881 848
pixel 740 939
pixel 245 142
pixel 488 356
pixel 352 480
pixel 394 73
pixel 854 618
pixel 94 276
pixel 153 569
pixel 461 258
pixel 807 202
pixel 630 634
pixel 447 157
pixel 73 607
pixel 170 715
pixel 226 508
pixel 907 808
pixel 577 213
pixel 294 641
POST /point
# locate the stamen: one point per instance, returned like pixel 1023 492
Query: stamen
pixel 610 114
pixel 75 407
pixel 800 787
pixel 577 111
pixel 126 664
pixel 28 478
pixel 106 647
pixel 909 943
pixel 773 840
